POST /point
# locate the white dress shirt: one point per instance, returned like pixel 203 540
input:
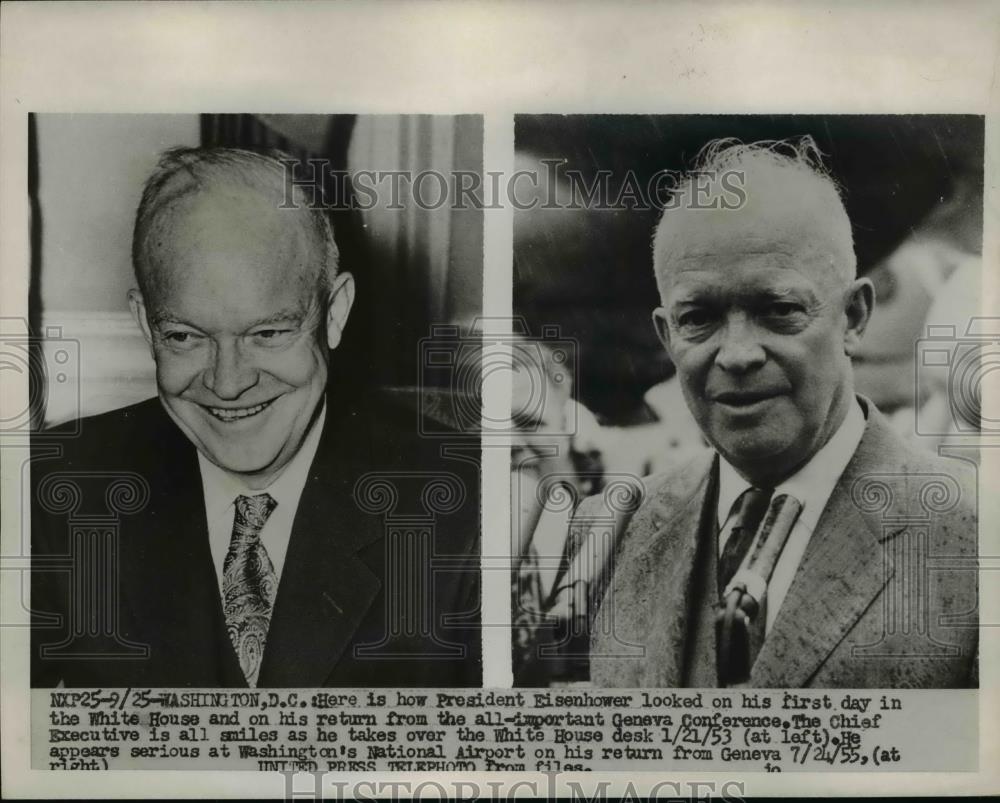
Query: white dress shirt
pixel 811 485
pixel 221 489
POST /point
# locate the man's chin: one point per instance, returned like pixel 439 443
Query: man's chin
pixel 247 459
pixel 244 464
pixel 757 457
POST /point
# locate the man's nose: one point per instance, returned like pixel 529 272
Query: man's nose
pixel 740 350
pixel 230 373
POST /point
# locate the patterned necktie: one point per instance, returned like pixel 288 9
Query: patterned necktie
pixel 739 623
pixel 249 583
pixel 750 510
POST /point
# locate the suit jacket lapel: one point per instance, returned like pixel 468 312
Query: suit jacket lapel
pixel 688 536
pixel 170 589
pixel 325 588
pixel 655 588
pixel 842 572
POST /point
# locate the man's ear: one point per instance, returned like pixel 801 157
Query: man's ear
pixel 339 305
pixel 662 327
pixel 859 305
pixel 138 307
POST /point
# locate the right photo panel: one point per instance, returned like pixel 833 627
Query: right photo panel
pixel 747 401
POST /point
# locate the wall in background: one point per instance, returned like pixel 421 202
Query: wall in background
pixel 91 168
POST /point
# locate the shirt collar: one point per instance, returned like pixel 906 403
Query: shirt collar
pixel 221 488
pixel 813 483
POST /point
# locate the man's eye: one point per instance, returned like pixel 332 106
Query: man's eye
pixel 694 319
pixel 181 339
pixel 783 309
pixel 271 337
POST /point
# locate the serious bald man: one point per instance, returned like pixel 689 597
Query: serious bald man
pixel 794 552
pixel 245 545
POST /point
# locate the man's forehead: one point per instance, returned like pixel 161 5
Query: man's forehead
pixel 782 207
pixel 237 226
pixel 787 248
pixel 191 308
pixel 807 242
pixel 230 263
pixel 763 274
pixel 784 225
pixel 231 213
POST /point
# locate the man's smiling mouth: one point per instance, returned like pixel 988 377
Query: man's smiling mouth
pixel 229 414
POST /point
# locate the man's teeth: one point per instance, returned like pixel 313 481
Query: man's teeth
pixel 234 415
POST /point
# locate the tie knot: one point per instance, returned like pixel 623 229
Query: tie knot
pixel 252 511
pixel 751 507
pixel 748 512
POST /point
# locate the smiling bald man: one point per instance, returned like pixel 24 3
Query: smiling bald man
pixel 253 553
pixel 794 551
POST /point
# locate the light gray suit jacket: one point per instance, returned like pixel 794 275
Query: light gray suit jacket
pixel 885 595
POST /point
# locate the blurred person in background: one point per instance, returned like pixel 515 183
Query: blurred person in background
pixel 555 458
pixel 933 278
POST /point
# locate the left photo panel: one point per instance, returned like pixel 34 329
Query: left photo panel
pixel 255 407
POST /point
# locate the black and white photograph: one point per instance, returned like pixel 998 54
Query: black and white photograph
pixel 467 399
pixel 756 461
pixel 236 478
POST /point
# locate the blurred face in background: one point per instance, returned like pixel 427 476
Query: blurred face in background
pixel 760 316
pixel 541 433
pixel 240 325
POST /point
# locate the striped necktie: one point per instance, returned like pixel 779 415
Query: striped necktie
pixel 249 584
pixel 749 512
pixel 742 612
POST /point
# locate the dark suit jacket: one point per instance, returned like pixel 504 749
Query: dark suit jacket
pixel 117 503
pixel 885 595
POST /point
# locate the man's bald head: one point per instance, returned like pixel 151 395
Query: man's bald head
pixel 227 183
pixel 787 196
